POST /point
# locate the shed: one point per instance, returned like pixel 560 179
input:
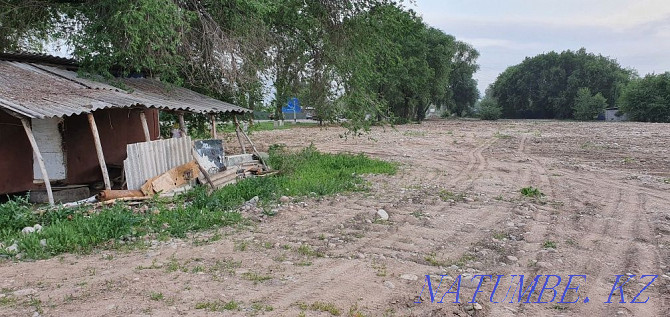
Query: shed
pixel 613 114
pixel 58 128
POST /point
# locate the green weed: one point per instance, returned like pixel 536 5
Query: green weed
pixel 531 192
pixel 157 296
pixel 549 244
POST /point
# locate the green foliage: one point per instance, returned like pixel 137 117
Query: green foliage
pixel 549 244
pixel 545 86
pixel 588 107
pixel 489 109
pixel 647 99
pixel 304 173
pixel 531 192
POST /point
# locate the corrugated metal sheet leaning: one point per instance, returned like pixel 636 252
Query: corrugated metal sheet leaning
pixel 149 159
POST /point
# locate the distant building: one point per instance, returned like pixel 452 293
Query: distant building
pixel 613 114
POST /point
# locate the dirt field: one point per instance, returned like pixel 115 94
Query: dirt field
pixel 455 208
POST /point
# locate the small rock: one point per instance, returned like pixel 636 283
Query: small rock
pixel 28 230
pixel 512 258
pixel 382 214
pixel 468 199
pixel 543 265
pixel 477 306
pixel 37 227
pixel 36 314
pixel 253 201
pixel 389 284
pixel 284 199
pixel 43 243
pixel 24 292
pixel 13 248
pixel 468 227
pixel 453 267
pixel 409 277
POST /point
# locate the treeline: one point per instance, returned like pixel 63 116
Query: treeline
pixel 578 85
pixel 361 59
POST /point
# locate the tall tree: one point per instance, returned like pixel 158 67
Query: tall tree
pixel 546 85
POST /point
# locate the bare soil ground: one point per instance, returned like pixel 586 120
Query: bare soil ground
pixel 455 208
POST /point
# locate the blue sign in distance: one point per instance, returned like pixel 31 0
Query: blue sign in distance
pixel 292 107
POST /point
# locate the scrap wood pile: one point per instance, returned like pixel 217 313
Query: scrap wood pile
pixel 209 166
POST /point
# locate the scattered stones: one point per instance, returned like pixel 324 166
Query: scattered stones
pixel 512 258
pixel 543 265
pixel 409 277
pixel 477 306
pixel 284 199
pixel 382 214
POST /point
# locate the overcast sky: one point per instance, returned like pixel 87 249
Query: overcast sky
pixel 634 32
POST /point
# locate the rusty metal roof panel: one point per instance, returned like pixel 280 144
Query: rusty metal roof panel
pixel 39 91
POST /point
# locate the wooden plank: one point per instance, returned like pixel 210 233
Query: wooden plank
pixel 98 150
pixel 145 126
pixel 182 124
pixel 40 160
pixel 213 119
pixel 239 139
pixel 176 177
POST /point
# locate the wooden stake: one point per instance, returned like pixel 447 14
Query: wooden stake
pixel 98 150
pixel 182 124
pixel 213 119
pixel 256 151
pixel 40 160
pixel 239 138
pixel 145 126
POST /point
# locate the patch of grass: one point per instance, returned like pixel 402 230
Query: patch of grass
pixel 414 133
pixel 197 269
pixel 321 307
pixel 501 136
pixel 255 277
pixel 306 249
pixel 157 296
pixel 432 260
pixel 499 235
pixel 549 244
pixel 78 230
pixel 419 214
pixel 260 307
pixel 531 192
pixel 218 306
pixel 667 180
pixel 447 196
pixel 240 245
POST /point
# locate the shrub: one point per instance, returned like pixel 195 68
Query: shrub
pixel 588 107
pixel 489 109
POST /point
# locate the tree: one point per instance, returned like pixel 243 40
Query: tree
pixel 587 106
pixel 489 109
pixel 647 99
pixel 546 85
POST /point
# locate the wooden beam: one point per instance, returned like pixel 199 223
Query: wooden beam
pixel 260 158
pixel 213 119
pixel 239 138
pixel 98 150
pixel 145 126
pixel 40 160
pixel 182 124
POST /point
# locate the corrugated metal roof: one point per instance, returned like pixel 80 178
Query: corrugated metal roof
pixel 40 91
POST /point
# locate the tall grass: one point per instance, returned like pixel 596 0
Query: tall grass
pixel 303 173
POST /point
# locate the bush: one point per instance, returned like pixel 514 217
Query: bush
pixel 587 107
pixel 489 109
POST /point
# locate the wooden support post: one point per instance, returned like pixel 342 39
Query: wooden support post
pixel 145 126
pixel 182 124
pixel 213 119
pixel 260 158
pixel 98 149
pixel 239 138
pixel 40 160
